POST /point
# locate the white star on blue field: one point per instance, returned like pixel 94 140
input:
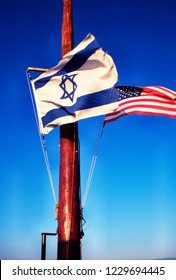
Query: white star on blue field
pixel 130 210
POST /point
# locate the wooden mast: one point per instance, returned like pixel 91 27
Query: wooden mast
pixel 69 216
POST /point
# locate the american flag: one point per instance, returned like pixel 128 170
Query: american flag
pixel 151 100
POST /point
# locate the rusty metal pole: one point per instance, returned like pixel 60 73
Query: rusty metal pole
pixel 69 181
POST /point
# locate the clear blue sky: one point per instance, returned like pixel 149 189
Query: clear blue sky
pixel 131 206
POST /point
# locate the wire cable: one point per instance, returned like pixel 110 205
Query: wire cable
pixel 93 163
pixel 42 139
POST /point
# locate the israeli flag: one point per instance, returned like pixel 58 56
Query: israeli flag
pixel 78 87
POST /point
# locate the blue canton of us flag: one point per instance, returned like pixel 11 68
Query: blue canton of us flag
pixel 78 87
pixel 128 92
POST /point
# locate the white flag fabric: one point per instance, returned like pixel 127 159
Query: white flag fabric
pixel 78 87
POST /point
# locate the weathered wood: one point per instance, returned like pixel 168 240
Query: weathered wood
pixel 69 181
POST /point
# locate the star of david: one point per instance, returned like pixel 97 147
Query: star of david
pixel 68 90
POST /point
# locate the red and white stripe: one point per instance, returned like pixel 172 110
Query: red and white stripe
pixel 154 100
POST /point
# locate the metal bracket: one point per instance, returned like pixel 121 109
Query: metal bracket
pixel 43 249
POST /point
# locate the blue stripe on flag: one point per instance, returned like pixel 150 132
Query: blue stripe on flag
pixel 84 102
pixel 73 64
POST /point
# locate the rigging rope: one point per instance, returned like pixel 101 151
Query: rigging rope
pixel 42 140
pixel 93 162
